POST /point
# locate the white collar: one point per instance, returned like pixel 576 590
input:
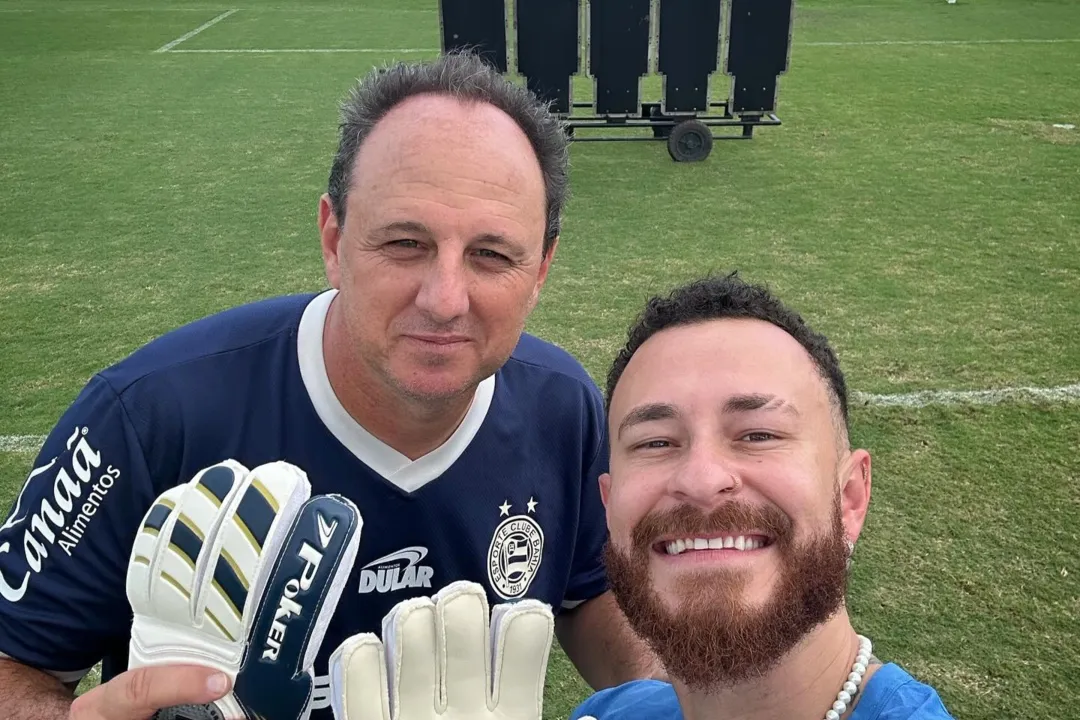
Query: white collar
pixel 409 475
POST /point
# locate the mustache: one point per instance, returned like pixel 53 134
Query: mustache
pixel 688 521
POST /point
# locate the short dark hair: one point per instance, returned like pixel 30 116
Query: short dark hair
pixel 464 75
pixel 716 297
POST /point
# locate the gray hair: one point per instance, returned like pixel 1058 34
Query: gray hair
pixel 465 76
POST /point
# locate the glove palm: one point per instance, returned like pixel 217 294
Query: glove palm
pixel 444 660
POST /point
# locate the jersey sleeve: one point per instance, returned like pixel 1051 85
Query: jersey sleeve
pixel 65 542
pixel 587 576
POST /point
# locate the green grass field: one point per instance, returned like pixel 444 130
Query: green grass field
pixel 918 205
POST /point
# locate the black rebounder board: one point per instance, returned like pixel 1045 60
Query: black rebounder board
pixel 478 25
pixel 618 53
pixel 688 53
pixel 759 44
pixel 736 49
pixel 548 48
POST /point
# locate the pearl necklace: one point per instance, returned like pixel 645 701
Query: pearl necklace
pixel 851 687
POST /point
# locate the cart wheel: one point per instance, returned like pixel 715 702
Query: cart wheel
pixel 690 141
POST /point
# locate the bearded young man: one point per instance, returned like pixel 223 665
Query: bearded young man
pixel 734 501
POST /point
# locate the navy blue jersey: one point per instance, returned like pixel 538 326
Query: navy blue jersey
pixel 510 501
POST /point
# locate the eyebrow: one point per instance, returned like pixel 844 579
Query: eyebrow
pixel 759 401
pixel 647 413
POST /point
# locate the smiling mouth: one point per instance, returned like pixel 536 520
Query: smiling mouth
pixel 741 543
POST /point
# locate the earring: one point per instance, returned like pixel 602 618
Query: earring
pixel 850 551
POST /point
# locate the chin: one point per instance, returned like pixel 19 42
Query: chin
pixel 750 589
pixel 426 383
pixel 434 389
pixel 440 375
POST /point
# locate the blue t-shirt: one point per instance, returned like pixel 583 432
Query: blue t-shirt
pixel 510 501
pixel 890 694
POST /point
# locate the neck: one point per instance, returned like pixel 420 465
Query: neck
pixel 802 686
pixel 411 426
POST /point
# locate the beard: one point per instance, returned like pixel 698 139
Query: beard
pixel 713 638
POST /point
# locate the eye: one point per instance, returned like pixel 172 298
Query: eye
pixel 652 445
pixel 492 255
pixel 405 243
pixel 758 436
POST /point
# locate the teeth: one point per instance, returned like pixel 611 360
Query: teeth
pixel 733 542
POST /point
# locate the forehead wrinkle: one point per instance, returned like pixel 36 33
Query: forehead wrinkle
pixel 783 406
pixel 507 200
pixel 514 189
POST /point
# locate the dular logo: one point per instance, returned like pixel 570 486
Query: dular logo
pixel 517 547
pixel 397 571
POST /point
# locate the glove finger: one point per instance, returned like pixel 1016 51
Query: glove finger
pixel 340 573
pixel 462 630
pixel 358 680
pixel 276 678
pixel 412 656
pixel 252 533
pixel 521 639
pixel 145 553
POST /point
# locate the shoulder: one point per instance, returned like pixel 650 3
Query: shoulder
pixel 212 340
pixel 549 393
pixel 644 699
pixel 540 362
pixel 893 694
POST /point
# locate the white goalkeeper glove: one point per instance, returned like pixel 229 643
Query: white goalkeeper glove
pixel 241 571
pixel 443 660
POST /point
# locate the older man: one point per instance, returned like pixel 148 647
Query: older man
pixel 472 449
pixel 734 500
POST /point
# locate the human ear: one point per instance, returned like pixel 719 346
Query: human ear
pixel 330 235
pixel 855 492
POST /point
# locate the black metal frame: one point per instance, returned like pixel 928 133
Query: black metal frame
pixel 652 117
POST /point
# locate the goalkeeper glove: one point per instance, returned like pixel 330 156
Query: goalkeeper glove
pixel 241 571
pixel 443 660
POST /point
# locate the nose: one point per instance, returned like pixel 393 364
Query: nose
pixel 706 477
pixel 444 289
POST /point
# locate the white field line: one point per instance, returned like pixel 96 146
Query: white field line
pixel 169 46
pixel 854 43
pixel 1004 41
pixel 209 8
pixel 1063 393
pixel 92 10
pixel 21 443
pixel 268 51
